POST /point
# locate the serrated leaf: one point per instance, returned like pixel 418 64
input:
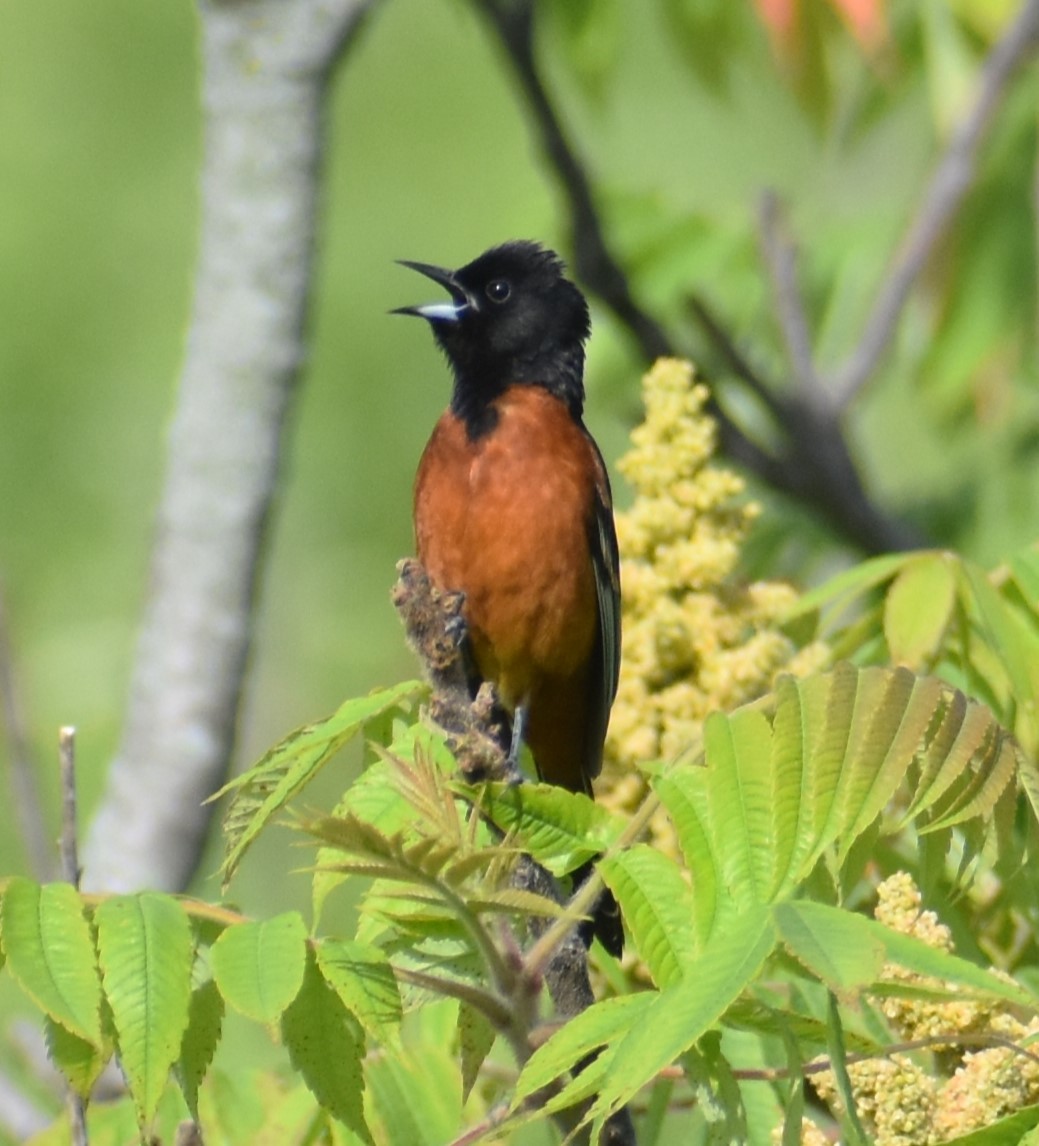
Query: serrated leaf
pixel 600 1025
pixel 830 943
pixel 964 730
pixel 260 793
pixel 326 1046
pixel 560 829
pixel 658 908
pixel 258 966
pixel 145 949
pixel 991 770
pixel 682 790
pixel 918 609
pixel 363 979
pixel 514 900
pixel 680 1015
pixel 205 1022
pixel 50 953
pixel 79 1061
pixel 830 705
pixel 915 955
pixel 475 1038
pixel 377 800
pixel 903 709
pixel 738 748
pixel 791 822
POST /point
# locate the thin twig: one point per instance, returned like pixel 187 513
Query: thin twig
pixel 69 846
pixel 25 792
pixel 70 872
pixel 941 200
pixel 780 259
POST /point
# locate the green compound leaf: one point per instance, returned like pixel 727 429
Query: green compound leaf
pixel 475 1037
pixel 326 1046
pixel 205 1021
pixel 836 946
pixel 560 829
pixel 260 793
pixel 658 908
pixel 259 966
pixel 681 1014
pixel 599 1026
pixel 79 1061
pixel 363 979
pixel 51 954
pixel 145 947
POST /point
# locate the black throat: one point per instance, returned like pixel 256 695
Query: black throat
pixel 478 385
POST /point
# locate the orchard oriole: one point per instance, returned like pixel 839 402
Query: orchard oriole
pixel 513 509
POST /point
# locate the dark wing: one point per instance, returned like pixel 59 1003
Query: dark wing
pixel 606 662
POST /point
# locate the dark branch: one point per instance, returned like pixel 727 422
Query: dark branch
pixel 513 22
pixel 820 474
pixel 941 200
pixel 479 739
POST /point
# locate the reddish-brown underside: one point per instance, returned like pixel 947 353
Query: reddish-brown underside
pixel 505 519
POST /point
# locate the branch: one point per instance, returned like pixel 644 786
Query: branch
pixel 265 69
pixel 941 200
pixel 478 735
pixel 780 259
pixel 818 473
pixel 77 1107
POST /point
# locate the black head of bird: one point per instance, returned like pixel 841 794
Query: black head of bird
pixel 513 318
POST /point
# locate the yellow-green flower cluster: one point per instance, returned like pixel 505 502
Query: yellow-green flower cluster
pixel 695 638
pixel 898 1101
pixel 899 906
pixel 894 1098
pixel 990 1084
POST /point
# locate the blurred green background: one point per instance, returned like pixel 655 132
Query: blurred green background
pixel 429 158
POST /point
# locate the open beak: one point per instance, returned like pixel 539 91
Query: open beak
pixel 437 311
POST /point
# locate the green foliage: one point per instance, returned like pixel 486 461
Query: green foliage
pixel 939 612
pixel 768 818
pixel 262 792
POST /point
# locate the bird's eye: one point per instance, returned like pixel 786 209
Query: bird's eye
pixel 498 290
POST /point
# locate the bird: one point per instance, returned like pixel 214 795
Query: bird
pixel 513 508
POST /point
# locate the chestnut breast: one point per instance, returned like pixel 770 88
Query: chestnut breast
pixel 505 519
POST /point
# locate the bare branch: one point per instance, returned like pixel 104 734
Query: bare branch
pixel 77 1108
pixel 780 259
pixel 25 791
pixel 69 847
pixel 941 200
pixel 265 70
